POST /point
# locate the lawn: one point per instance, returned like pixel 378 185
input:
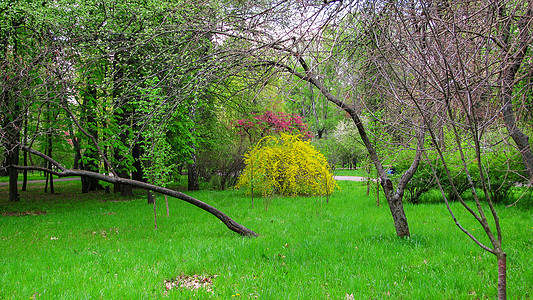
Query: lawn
pixel 351 172
pixel 31 176
pixel 73 246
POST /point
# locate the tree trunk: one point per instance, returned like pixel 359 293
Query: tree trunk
pixel 13 159
pixel 151 196
pixel 12 136
pixel 511 64
pixel 90 163
pixel 502 276
pixel 192 175
pixel 52 191
pixel 89 184
pixel 124 190
pixel 121 170
pixel 25 157
pixel 136 152
pixel 394 199
pixel 192 168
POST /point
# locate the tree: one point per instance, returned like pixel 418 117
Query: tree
pixel 456 64
pixel 22 49
pixel 513 40
pixel 305 38
pixel 259 125
pixel 82 81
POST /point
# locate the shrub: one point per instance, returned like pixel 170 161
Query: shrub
pixel 286 165
pixel 259 125
pixel 502 170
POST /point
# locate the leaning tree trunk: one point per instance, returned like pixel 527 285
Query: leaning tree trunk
pixel 394 199
pixel 64 172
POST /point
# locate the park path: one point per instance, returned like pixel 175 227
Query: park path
pixel 350 178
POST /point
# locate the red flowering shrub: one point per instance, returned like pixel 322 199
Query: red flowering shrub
pixel 258 126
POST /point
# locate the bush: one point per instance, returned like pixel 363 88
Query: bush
pixel 286 165
pixel 421 183
pixel 503 170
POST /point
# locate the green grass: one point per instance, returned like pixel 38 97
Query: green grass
pixel 348 172
pixel 31 176
pixel 89 246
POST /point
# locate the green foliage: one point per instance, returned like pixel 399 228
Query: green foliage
pixel 157 153
pixel 286 165
pixel 343 146
pixel 502 170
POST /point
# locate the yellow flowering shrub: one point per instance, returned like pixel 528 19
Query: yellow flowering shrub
pixel 286 165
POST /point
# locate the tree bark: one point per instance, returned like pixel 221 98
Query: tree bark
pixel 89 184
pixel 192 175
pixel 125 190
pixel 502 276
pixel 13 159
pixel 11 139
pixel 136 152
pixel 50 176
pixel 122 116
pixel 25 157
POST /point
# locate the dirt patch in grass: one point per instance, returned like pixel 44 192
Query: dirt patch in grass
pixel 191 282
pixel 24 213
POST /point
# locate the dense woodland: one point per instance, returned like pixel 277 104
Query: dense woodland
pixel 132 94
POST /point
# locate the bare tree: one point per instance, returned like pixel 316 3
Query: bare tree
pixel 445 59
pixel 300 45
pixel 452 69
